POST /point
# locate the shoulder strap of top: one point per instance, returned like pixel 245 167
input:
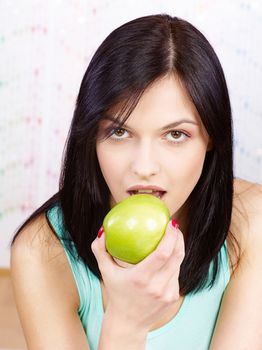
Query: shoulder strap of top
pixel 223 273
pixel 84 278
pixel 224 262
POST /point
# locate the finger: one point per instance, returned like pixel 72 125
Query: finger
pixel 103 258
pixel 122 263
pixel 153 262
pixel 171 269
pixel 172 289
pixel 179 251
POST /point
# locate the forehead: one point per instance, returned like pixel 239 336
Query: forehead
pixel 164 101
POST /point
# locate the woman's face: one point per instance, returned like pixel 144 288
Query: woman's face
pixel 140 153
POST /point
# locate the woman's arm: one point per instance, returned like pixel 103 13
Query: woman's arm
pixel 118 334
pixel 45 292
pixel 239 324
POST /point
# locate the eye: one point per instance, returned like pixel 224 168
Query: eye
pixel 118 132
pixel 176 136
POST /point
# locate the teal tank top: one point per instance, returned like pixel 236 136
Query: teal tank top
pixel 190 329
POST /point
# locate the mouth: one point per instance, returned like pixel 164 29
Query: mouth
pixel 158 194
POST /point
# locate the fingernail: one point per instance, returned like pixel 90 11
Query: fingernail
pixel 100 232
pixel 174 223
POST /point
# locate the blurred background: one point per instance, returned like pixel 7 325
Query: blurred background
pixel 45 48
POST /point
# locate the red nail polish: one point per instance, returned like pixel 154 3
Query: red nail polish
pixel 174 223
pixel 100 232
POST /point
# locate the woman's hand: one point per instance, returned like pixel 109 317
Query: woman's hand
pixel 142 294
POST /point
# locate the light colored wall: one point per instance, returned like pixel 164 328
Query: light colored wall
pixel 45 48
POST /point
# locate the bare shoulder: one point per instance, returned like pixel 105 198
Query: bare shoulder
pixel 246 215
pixel 37 237
pixel 250 192
pixel 242 298
pixel 37 253
pixel 247 201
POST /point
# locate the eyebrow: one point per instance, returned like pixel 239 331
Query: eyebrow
pixel 166 127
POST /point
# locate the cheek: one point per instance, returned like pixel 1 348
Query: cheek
pixel 195 164
pixel 110 163
pixel 189 170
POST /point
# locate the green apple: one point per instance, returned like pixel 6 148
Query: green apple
pixel 134 227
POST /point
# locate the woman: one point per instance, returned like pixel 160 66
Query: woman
pixel 153 110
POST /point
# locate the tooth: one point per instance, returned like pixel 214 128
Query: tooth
pixel 145 191
pixel 157 194
pixel 154 193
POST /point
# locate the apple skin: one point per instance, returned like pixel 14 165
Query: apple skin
pixel 134 227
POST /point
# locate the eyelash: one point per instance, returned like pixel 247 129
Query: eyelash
pixel 172 142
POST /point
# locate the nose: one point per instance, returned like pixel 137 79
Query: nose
pixel 145 162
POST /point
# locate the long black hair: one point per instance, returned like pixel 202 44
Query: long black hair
pixel 131 58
